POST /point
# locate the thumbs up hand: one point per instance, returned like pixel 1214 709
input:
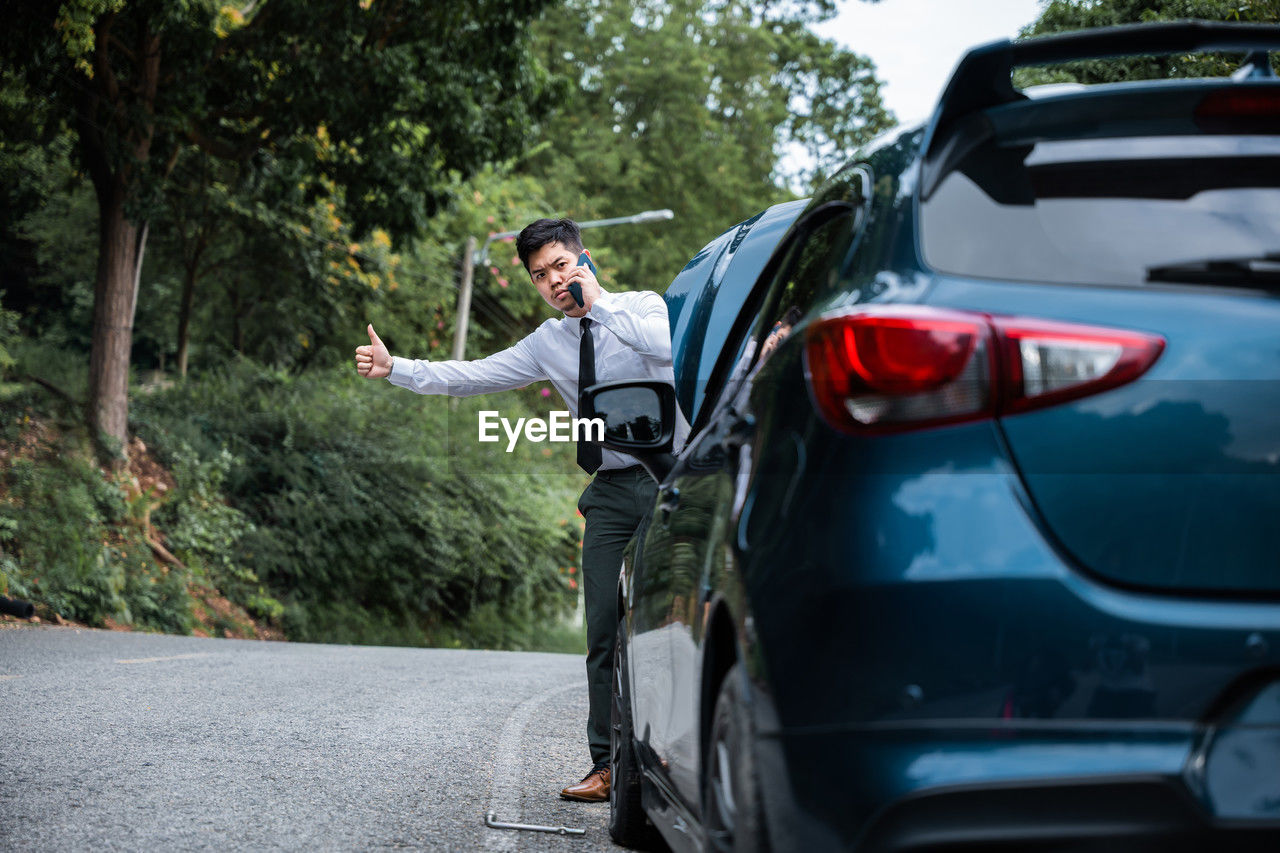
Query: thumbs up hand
pixel 373 361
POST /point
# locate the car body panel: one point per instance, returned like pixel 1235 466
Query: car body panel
pixel 681 548
pixel 1194 438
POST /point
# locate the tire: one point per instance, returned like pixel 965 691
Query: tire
pixel 733 811
pixel 628 824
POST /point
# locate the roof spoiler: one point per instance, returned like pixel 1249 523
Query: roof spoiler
pixel 982 79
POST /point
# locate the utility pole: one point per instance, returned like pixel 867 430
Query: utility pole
pixel 472 259
pixel 464 298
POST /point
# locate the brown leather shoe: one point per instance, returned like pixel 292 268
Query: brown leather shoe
pixel 594 787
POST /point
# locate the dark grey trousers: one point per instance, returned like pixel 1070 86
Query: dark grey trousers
pixel 613 506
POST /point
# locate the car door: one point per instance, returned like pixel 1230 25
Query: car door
pixel 689 551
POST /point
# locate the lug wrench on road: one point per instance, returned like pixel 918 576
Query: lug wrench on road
pixel 491 821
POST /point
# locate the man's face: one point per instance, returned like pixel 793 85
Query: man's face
pixel 549 267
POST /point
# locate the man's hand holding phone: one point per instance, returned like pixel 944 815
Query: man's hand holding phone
pixel 584 287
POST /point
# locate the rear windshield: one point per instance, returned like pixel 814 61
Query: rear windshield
pixel 1104 211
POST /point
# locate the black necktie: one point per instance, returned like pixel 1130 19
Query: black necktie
pixel 589 453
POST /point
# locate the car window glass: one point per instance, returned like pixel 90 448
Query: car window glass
pixel 834 220
pixel 1111 213
pixel 817 266
pixel 784 258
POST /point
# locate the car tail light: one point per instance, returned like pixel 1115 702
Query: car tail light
pixel 1239 110
pixel 881 369
pixel 919 366
pixel 1047 363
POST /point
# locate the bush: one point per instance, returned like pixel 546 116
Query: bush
pixel 347 502
pixel 204 532
pixel 8 337
pixel 70 541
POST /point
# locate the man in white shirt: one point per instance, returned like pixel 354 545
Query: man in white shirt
pixel 610 337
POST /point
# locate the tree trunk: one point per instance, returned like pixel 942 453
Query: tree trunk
pixel 184 318
pixel 100 110
pixel 115 298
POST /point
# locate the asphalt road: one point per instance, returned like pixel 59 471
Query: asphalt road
pixel 113 741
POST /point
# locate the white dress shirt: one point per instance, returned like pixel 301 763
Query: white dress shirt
pixel 632 340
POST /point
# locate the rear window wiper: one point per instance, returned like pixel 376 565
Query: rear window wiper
pixel 1263 270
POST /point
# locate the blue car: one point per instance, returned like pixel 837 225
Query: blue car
pixel 975 542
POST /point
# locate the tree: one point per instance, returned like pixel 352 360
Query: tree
pixel 199 224
pixel 33 167
pixel 1065 15
pixel 691 105
pixel 407 92
pixel 237 241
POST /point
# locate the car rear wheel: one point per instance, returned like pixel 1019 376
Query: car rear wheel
pixel 628 824
pixel 734 812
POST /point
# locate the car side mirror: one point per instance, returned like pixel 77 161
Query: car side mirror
pixel 638 416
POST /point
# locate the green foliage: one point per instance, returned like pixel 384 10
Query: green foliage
pixel 453 85
pixel 261 266
pixel 8 337
pixel 61 236
pixel 275 207
pixel 47 236
pixel 418 316
pixel 306 168
pixel 75 24
pixel 51 361
pixel 337 509
pixel 690 106
pixel 374 104
pixel 204 532
pixel 1066 15
pixel 69 542
pixel 370 514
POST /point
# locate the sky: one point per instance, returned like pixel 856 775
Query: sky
pixel 916 44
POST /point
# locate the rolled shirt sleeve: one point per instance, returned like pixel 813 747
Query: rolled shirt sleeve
pixel 642 325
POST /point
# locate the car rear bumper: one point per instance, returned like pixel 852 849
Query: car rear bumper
pixel 1084 786
pixel 1138 813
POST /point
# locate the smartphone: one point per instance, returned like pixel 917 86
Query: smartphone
pixel 575 287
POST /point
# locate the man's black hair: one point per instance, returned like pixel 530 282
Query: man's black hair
pixel 543 231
